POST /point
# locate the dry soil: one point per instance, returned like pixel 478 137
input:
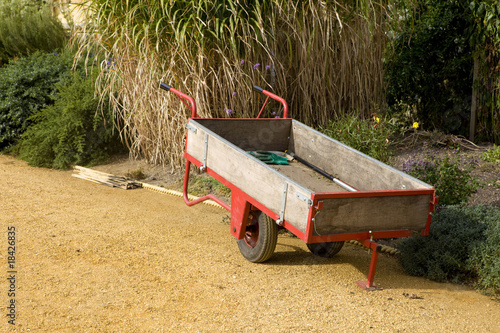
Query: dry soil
pixel 91 258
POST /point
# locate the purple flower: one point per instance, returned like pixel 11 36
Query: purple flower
pixel 229 112
pixel 268 67
pixel 234 93
pixel 277 117
pixel 242 62
pixel 55 54
pixel 274 113
pixel 256 66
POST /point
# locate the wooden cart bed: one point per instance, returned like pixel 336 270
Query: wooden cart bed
pixel 386 198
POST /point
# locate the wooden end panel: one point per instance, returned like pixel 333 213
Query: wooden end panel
pixel 252 134
pixel 359 214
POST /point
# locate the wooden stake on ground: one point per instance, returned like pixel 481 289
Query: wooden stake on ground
pixel 104 178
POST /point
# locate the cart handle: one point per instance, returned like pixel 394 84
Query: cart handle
pixel 273 96
pixel 182 97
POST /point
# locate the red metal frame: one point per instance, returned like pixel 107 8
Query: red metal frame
pixel 242 204
pixel 275 97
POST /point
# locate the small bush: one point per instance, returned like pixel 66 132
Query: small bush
pixel 451 177
pixel 27 27
pixel 371 137
pixel 485 257
pixel 492 155
pixel 442 256
pixel 72 131
pixel 26 86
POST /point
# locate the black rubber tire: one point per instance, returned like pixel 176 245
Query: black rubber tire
pixel 325 250
pixel 267 232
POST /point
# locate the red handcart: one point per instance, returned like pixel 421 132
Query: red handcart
pixel 329 193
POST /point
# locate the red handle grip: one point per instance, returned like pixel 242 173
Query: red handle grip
pixel 182 97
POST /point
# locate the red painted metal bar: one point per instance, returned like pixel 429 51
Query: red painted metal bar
pixel 433 203
pixel 194 202
pixel 183 97
pixel 359 236
pixel 276 97
pixel 381 193
pixel 263 106
pixel 368 284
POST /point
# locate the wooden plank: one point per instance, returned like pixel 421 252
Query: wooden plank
pixel 344 215
pixel 250 175
pixel 104 178
pixel 347 164
pixel 252 134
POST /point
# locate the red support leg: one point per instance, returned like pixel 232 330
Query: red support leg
pixel 240 208
pixel 206 197
pixel 368 284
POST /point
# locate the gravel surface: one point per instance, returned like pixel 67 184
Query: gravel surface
pixel 91 258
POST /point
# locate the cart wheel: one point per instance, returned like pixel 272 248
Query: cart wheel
pixel 261 235
pixel 325 250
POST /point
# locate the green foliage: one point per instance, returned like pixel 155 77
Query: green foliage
pixel 492 155
pixel 442 256
pixel 451 177
pixel 431 64
pixel 486 37
pixel 26 86
pixel 204 185
pixel 28 26
pixel 371 137
pixel 71 131
pixel 485 257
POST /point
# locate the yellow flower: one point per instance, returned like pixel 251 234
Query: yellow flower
pixel 415 125
pixel 377 120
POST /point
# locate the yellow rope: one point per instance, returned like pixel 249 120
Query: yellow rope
pixel 178 194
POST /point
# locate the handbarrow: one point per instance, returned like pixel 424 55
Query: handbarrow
pixel 328 194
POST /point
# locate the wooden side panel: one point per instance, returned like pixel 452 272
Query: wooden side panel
pixel 249 174
pixel 347 164
pixel 252 134
pixel 344 215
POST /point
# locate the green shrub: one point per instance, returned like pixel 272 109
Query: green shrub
pixel 26 86
pixel 485 257
pixel 71 131
pixel 492 155
pixel 442 256
pixel 431 63
pixel 371 137
pixel 451 177
pixel 27 27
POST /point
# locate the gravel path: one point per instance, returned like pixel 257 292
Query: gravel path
pixel 91 258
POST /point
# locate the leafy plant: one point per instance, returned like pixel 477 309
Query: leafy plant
pixel 71 131
pixel 485 257
pixel 492 155
pixel 486 37
pixel 451 177
pixel 26 86
pixel 27 27
pixel 463 246
pixel 442 256
pixel 430 65
pixel 371 137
